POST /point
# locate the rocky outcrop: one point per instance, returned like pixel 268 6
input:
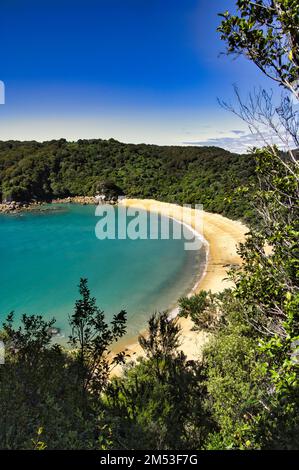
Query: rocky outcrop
pixel 15 206
pixel 86 200
pixel 75 200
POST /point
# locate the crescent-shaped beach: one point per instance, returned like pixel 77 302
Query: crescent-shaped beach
pixel 222 237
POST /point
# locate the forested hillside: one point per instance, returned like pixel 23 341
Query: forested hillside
pixel 243 392
pixel 190 175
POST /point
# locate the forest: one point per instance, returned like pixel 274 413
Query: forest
pixel 243 393
pixel 186 175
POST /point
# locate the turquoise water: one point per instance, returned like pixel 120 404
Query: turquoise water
pixel 44 254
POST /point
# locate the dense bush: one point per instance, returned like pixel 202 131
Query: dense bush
pixel 189 175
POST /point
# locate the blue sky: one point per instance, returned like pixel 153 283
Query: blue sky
pixel 135 70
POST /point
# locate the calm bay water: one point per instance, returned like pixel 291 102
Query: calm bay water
pixel 44 255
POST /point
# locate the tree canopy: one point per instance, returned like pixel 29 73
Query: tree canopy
pixel 185 175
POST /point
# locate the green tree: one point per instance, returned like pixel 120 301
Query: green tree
pixel 91 338
pixel 202 308
pixel 159 403
pixel 45 399
pixel 250 363
pixel 267 33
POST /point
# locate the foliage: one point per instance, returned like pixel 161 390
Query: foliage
pixel 108 189
pixel 202 309
pixel 41 384
pixel 185 175
pixel 244 392
pixel 266 32
pixel 161 398
pixel 252 363
pixel 91 338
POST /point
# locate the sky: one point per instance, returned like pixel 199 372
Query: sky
pixel 133 70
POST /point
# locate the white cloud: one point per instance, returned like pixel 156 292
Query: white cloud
pixel 242 143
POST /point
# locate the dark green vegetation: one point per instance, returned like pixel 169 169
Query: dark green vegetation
pixel 244 392
pixel 50 398
pixel 266 33
pixel 190 175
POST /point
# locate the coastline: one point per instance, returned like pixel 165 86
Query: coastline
pixel 15 207
pixel 221 236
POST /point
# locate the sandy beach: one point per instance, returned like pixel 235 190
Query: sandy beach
pixel 222 236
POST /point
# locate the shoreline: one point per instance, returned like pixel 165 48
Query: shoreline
pixel 174 311
pixel 15 207
pixel 221 236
